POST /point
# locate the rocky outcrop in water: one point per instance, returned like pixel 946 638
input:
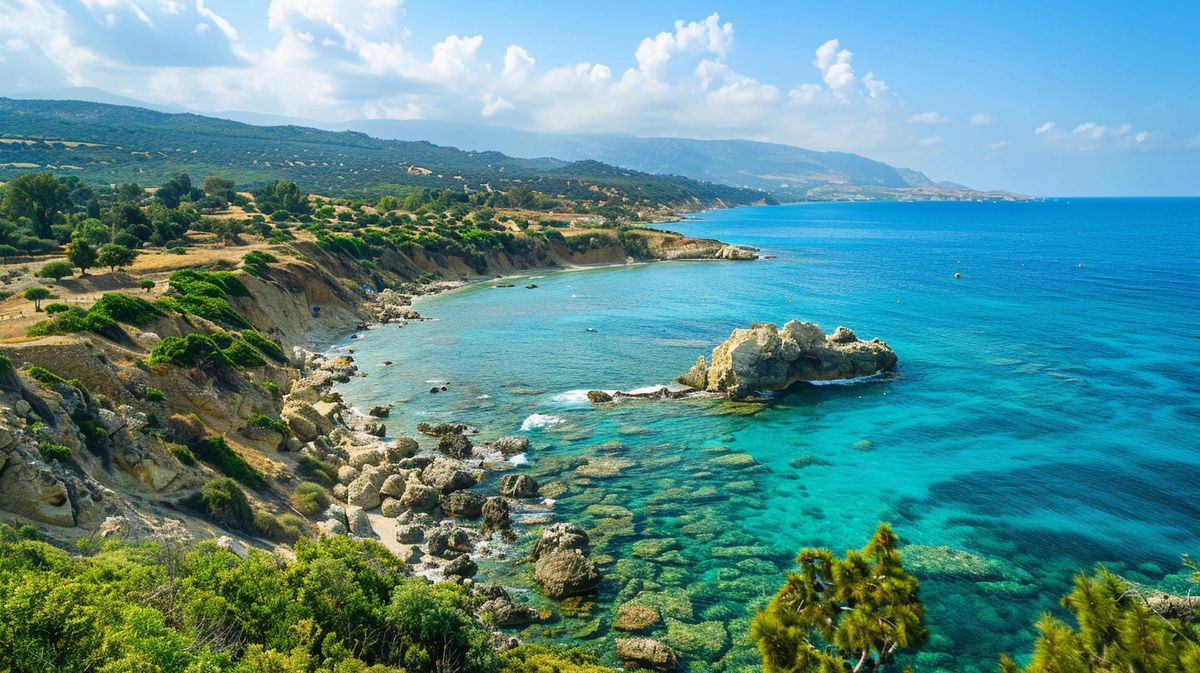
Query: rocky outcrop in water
pixel 646 653
pixel 560 566
pixel 764 357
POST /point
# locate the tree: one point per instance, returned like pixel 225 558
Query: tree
pixel 221 188
pixel 83 255
pixel 116 256
pixel 38 196
pixel 130 192
pixel 37 295
pixel 146 285
pixel 93 232
pixel 229 231
pixel 836 614
pixel 1119 630
pixel 387 203
pixel 173 191
pixel 57 270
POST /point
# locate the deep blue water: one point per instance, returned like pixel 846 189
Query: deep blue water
pixel 1045 417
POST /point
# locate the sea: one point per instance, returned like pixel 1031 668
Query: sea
pixel 1044 418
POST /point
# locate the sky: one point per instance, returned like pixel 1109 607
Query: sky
pixel 1045 98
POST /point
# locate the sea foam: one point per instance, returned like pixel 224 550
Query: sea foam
pixel 536 421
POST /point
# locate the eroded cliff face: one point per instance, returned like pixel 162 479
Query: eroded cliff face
pixel 764 357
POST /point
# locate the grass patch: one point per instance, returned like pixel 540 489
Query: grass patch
pixel 155 395
pixel 183 454
pixel 264 345
pixel 320 471
pixel 266 422
pixel 255 263
pixel 310 499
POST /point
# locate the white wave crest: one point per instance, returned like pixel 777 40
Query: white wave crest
pixel 877 376
pixel 536 421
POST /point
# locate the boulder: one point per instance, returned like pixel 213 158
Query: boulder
pixel 419 497
pixel 366 457
pixel 563 573
pixel 405 447
pixel 636 617
pixel 598 397
pixel 455 445
pixel 29 488
pixel 503 611
pixel 495 514
pixel 380 410
pixel 358 522
pixel 518 486
pixel 462 566
pixel 764 357
pixel 393 486
pixel 559 537
pixel 511 445
pixel 646 653
pixel 462 504
pixel 448 541
pixel 363 492
pixel 346 474
pixel 409 534
pixel 375 428
pixel 392 507
pixel 446 476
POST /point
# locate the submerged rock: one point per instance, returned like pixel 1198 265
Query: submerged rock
pixel 518 486
pixel 504 611
pixel 598 397
pixel 646 653
pixel 764 357
pixel 566 572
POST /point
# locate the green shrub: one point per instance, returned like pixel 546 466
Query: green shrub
pixel 182 453
pixel 126 309
pixel 71 321
pixel 264 345
pixel 310 499
pixel 223 502
pixel 266 422
pixel 320 471
pixel 44 375
pixel 530 658
pixel 206 294
pixel 155 395
pixel 53 451
pixel 187 351
pixel 272 389
pixel 53 309
pixel 216 309
pixel 243 355
pixel 255 262
pixel 285 528
pixel 215 451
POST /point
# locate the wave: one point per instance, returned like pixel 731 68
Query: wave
pixel 575 396
pixel 519 459
pixel 877 376
pixel 537 421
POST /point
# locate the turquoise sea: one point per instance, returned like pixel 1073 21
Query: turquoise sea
pixel 1045 416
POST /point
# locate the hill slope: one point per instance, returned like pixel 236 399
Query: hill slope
pixel 791 173
pixel 111 144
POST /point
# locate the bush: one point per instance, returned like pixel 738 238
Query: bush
pixel 56 270
pixel 285 528
pixel 126 309
pixel 529 658
pixel 216 452
pixel 255 262
pixel 146 284
pixel 310 499
pixel 72 320
pixel 224 503
pixel 155 395
pixel 318 470
pixel 272 389
pixel 44 375
pixel 188 351
pixel 258 420
pixel 54 309
pixel 53 451
pixel 243 355
pixel 264 345
pixel 183 454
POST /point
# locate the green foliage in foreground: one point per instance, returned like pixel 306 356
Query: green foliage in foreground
pixel 854 613
pixel 1116 631
pixel 342 606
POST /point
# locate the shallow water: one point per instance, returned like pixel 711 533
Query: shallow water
pixel 1044 417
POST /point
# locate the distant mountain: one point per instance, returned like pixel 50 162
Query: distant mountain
pixel 110 144
pixel 791 173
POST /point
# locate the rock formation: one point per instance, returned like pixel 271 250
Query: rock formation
pixel 764 357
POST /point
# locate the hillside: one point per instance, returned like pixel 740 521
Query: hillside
pixel 102 143
pixel 789 173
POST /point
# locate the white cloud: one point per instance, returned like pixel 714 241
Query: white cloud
pixel 999 144
pixel 1094 136
pixel 981 119
pixel 927 118
pixel 929 141
pixel 1046 128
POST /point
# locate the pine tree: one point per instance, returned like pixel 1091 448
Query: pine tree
pixel 835 615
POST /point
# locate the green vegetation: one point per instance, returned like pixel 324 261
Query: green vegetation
pixel 310 499
pixel 83 255
pixel 255 262
pixel 320 471
pixel 188 351
pixel 115 256
pixel 126 309
pixel 341 606
pixel 109 309
pixel 544 659
pixel 215 451
pixel 206 294
pixel 44 375
pixel 56 270
pixel 146 285
pixel 53 451
pixel 224 503
pixel 855 613
pixel 264 345
pixel 183 454
pixel 37 295
pixel 155 395
pixel 266 422
pixel 1116 631
pixel 286 528
pixel 38 197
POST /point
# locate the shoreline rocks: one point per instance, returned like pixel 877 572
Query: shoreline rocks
pixel 764 357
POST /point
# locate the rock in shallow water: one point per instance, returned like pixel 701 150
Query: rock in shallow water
pixel 764 357
pixel 646 653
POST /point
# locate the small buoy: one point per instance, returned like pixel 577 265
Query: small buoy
pixel 1080 266
pixel 958 275
pixel 897 301
pixel 589 330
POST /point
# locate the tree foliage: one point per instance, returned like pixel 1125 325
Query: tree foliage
pixel 37 196
pixel 855 613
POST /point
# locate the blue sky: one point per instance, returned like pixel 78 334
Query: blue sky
pixel 1042 98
